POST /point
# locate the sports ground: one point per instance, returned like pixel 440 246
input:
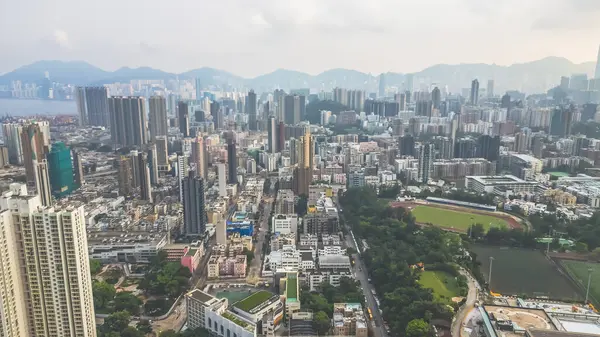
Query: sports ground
pixel 442 284
pixel 455 219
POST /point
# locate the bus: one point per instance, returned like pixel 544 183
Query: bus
pixel 370 314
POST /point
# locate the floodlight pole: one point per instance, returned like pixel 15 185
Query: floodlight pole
pixel 490 273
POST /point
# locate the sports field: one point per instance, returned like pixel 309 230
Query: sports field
pixel 517 271
pixel 578 270
pixel 454 219
pixel 443 284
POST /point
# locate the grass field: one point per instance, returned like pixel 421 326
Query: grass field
pixel 579 272
pixel 558 174
pixel 253 300
pixel 518 271
pixel 442 284
pixel 454 219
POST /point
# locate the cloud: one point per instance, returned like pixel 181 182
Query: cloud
pixel 61 38
pixel 568 15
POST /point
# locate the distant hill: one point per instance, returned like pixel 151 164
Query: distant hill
pixel 531 77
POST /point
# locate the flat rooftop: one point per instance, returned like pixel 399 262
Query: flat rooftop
pixel 254 300
pixel 521 318
pixel 491 180
pixel 292 287
pixel 554 333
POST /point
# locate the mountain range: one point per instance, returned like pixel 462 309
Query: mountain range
pixel 530 77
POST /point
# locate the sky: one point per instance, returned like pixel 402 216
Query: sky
pixel 253 37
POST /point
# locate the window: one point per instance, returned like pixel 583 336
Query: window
pixel 222 333
pixel 216 327
pixel 228 333
pixel 209 322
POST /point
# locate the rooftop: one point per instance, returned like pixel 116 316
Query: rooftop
pixel 292 287
pixel 253 301
pixel 238 320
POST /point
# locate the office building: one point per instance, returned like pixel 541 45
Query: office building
pixel 217 115
pixel 12 140
pixel 199 157
pixel 198 87
pixel 60 170
pixel 597 72
pixel 157 123
pixel 45 281
pixel 144 177
pixel 303 173
pixel 194 212
pixel 96 106
pixel 488 147
pixel 184 118
pixel 561 122
pixel 222 176
pixel 474 99
pixel 490 89
pixel 128 121
pixel 293 109
pixel 272 135
pixel 251 110
pixel 426 154
pixel 232 159
pixel 33 148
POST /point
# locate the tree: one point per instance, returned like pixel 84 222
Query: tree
pixel 249 255
pixel 117 321
pixel 321 322
pixel 144 326
pixel 95 266
pixel 477 230
pixel 418 328
pixel 126 301
pixel 131 332
pixel 103 293
pixel 198 332
pixel 169 333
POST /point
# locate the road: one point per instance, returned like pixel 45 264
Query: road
pixel 363 278
pixel 457 323
pixel 256 264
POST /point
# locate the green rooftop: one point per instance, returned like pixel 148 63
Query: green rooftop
pixel 191 252
pixel 253 300
pixel 237 321
pixel 292 287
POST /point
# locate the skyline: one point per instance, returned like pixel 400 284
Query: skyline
pixel 254 38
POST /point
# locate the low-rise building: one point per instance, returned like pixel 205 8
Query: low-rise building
pixel 285 223
pixel 223 266
pixel 349 320
pixel 329 275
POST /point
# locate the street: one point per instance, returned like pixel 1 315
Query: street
pixel 457 323
pixel 253 274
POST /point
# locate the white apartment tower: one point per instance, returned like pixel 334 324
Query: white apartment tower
pixel 46 289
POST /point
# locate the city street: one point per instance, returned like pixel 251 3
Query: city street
pixel 263 227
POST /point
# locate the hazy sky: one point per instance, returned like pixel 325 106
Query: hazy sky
pixel 251 37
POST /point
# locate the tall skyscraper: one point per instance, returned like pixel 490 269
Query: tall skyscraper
pixel 561 121
pixel 474 99
pixel 406 146
pixel 157 122
pixel 199 154
pixel 251 110
pixel 232 159
pixel 32 144
pixel 303 174
pixel 42 181
pixel 125 176
pixel 490 89
pixel 162 154
pixel 426 154
pixel 81 109
pixel 182 172
pixel 45 281
pixel 293 107
pixel 436 98
pixel 488 147
pixel 153 163
pixel 382 85
pixel 564 82
pixel 194 211
pixel 198 88
pixel 96 102
pixel 184 118
pixel 272 135
pixel 12 140
pixel 60 170
pixel 222 178
pixel 128 121
pixel 78 177
pixel 145 183
pixel 597 72
pixel 409 85
pixel 217 115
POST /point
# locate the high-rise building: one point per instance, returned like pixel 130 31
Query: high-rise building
pixel 401 99
pixel 490 89
pixel 222 179
pixel 158 117
pixel 45 280
pixel 382 85
pixel 597 72
pixel 162 154
pixel 217 115
pixel 293 109
pixel 182 172
pixel 436 98
pixel 78 177
pixel 184 118
pixel 579 82
pixel 232 159
pixel 474 99
pixel 145 183
pixel 564 83
pixel 33 148
pixel 488 147
pixel 561 121
pixel 81 109
pixel 198 88
pixel 465 148
pixel 128 121
pixel 153 163
pixel 272 135
pixel 125 176
pixel 426 154
pixel 97 110
pixel 60 170
pixel 12 140
pixel 251 110
pixel 303 175
pixel 194 211
pixel 42 181
pixel 199 154
pixel 406 146
pixel 409 85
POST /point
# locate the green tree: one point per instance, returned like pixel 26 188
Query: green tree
pixel 103 293
pixel 117 321
pixel 321 322
pixel 249 255
pixel 131 332
pixel 169 333
pixel 126 301
pixel 95 266
pixel 418 328
pixel 198 332
pixel 144 326
pixel 580 247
